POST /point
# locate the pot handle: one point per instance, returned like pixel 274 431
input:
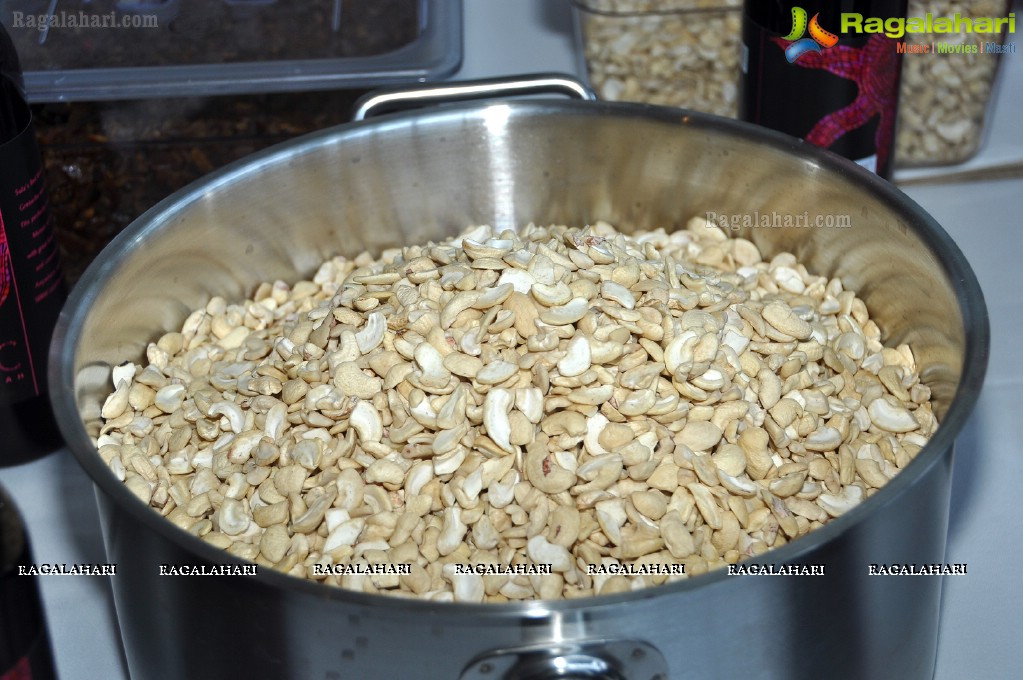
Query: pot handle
pixel 376 103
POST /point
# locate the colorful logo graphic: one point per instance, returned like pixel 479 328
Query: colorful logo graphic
pixel 818 36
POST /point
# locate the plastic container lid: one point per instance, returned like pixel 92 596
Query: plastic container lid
pixel 80 50
pixel 627 7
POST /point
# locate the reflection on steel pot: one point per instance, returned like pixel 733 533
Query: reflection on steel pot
pixel 411 177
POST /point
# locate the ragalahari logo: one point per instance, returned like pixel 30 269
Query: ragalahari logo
pixel 873 67
pixel 819 38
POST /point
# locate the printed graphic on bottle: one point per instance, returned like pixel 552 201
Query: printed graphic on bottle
pixel 31 282
pixel 36 664
pixel 835 90
pixel 21 671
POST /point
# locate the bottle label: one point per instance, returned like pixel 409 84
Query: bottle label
pixel 20 671
pixel 31 281
pixel 36 664
pixel 835 90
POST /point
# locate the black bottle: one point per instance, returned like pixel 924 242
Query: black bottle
pixel 807 71
pixel 32 288
pixel 25 652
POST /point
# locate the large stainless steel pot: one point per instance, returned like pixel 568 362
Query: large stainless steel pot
pixel 409 177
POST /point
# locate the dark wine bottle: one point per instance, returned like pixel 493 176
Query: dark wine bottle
pixel 821 71
pixel 32 288
pixel 25 652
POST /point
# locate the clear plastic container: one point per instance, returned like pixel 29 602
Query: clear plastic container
pixel 682 53
pixel 129 49
pixel 946 95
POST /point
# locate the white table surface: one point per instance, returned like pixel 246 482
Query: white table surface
pixel 981 621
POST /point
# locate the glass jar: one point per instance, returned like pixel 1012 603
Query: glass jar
pixel 946 91
pixel 681 53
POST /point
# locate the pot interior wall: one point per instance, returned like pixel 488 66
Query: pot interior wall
pixel 411 179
